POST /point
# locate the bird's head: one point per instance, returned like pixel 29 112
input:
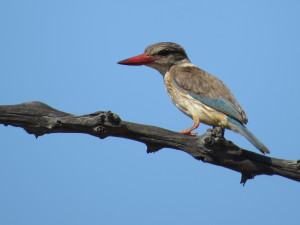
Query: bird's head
pixel 160 56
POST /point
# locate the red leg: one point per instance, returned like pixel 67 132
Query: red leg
pixel 188 131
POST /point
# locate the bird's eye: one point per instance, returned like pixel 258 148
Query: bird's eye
pixel 164 52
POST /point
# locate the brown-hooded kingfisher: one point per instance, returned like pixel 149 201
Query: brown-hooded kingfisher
pixel 198 94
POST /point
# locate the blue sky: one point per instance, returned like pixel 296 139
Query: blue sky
pixel 64 53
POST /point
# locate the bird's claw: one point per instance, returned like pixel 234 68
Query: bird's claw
pixel 188 133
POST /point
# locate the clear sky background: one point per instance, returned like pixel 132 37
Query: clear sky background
pixel 64 53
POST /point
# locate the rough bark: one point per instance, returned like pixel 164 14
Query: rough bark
pixel 38 118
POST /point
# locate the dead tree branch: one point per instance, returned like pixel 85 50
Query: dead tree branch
pixel 38 118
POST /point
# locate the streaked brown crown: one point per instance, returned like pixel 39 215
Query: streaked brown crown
pixel 167 49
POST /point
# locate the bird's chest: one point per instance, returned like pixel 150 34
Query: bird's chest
pixel 183 101
pixel 192 107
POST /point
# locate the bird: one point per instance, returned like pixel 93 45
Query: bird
pixel 198 94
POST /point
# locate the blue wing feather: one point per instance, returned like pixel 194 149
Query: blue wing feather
pixel 221 104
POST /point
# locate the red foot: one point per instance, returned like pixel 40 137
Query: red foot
pixel 188 131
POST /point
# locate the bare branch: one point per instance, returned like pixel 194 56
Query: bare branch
pixel 38 118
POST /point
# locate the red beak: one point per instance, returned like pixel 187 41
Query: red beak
pixel 138 60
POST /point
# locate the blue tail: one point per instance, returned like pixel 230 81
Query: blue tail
pixel 240 128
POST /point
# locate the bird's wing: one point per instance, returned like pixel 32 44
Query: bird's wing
pixel 207 89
